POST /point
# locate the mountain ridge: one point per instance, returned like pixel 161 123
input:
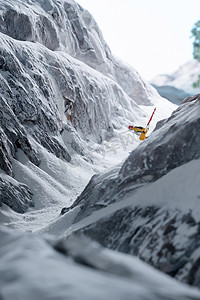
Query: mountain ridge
pixel 179 84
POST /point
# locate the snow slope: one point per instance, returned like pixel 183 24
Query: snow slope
pixel 80 269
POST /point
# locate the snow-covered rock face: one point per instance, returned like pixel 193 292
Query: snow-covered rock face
pixel 62 25
pixel 66 26
pixel 174 142
pixel 148 207
pixel 36 87
pixel 50 95
pixel 14 194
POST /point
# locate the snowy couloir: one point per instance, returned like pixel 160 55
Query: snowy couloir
pixel 65 106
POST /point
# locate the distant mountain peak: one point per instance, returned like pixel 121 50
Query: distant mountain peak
pixel 182 78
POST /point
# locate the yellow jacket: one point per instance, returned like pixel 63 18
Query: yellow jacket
pixel 143 135
pixel 140 129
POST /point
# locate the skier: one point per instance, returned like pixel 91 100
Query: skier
pixel 141 130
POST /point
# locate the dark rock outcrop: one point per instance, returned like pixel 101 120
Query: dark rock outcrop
pixel 14 194
pixel 13 137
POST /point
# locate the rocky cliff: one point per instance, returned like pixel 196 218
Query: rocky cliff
pixel 61 87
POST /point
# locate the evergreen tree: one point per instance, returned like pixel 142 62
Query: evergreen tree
pixel 196 44
pixel 196 48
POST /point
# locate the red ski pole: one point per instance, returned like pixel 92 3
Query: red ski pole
pixel 151 117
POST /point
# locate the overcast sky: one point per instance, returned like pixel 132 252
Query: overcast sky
pixel 151 35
